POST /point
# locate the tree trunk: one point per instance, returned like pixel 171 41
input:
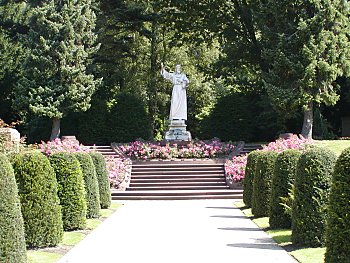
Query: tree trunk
pixel 308 121
pixel 154 71
pixel 56 129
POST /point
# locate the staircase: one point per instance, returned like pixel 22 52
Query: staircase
pixel 249 147
pixel 177 180
pixel 107 151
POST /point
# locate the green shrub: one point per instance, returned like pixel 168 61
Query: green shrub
pixel 102 177
pixel 312 183
pixel 282 180
pixel 129 119
pixel 40 205
pixel 338 219
pixel 262 183
pixel 71 190
pixel 233 118
pixel 12 243
pixel 92 195
pixel 248 178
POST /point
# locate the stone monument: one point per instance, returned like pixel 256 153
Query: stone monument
pixel 10 139
pixel 178 109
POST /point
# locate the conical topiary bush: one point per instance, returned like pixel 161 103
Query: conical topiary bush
pixel 91 184
pixel 71 190
pixel 40 204
pixel 102 177
pixel 12 243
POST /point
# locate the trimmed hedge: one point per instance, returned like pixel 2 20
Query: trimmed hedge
pixel 248 178
pixel 312 184
pixel 338 220
pixel 71 190
pixel 282 179
pixel 92 195
pixel 262 183
pixel 40 205
pixel 102 177
pixel 12 243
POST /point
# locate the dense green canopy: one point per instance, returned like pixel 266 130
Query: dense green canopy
pixel 62 56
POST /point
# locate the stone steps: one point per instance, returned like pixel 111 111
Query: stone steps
pixel 250 147
pixel 178 180
pixel 177 194
pixel 174 179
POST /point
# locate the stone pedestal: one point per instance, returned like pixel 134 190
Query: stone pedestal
pixel 10 139
pixel 177 131
pixel 70 138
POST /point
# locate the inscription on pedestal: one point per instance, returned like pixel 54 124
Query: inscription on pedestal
pixel 177 131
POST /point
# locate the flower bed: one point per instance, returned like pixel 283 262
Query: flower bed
pixel 119 170
pixel 145 150
pixel 235 167
pixel 57 145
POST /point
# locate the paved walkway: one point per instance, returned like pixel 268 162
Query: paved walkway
pixel 177 231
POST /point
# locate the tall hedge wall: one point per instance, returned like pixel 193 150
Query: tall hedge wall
pixel 71 190
pixel 102 177
pixel 282 180
pixel 262 183
pixel 91 184
pixel 338 220
pixel 249 177
pixel 40 205
pixel 312 184
pixel 12 243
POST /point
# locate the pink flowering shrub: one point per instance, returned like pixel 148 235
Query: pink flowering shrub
pixel 145 150
pixel 57 145
pixel 283 144
pixel 235 168
pixel 119 172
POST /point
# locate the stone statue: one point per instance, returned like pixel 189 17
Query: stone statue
pixel 178 108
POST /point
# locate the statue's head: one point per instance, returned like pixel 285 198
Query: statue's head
pixel 178 68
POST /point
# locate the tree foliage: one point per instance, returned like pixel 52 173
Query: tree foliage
pixel 55 79
pixel 306 47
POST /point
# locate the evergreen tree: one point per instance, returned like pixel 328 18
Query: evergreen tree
pixel 12 26
pixel 306 45
pixel 61 40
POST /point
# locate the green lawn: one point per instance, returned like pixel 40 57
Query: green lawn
pixel 70 239
pixel 336 146
pixel 284 238
pixel 42 257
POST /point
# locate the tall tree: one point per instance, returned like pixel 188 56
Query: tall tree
pixel 306 45
pixel 12 26
pixel 61 41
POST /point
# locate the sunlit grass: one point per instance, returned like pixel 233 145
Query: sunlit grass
pixel 309 255
pixel 42 257
pixel 72 238
pixel 336 146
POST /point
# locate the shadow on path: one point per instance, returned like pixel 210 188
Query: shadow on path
pixel 225 216
pixel 218 207
pixel 240 228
